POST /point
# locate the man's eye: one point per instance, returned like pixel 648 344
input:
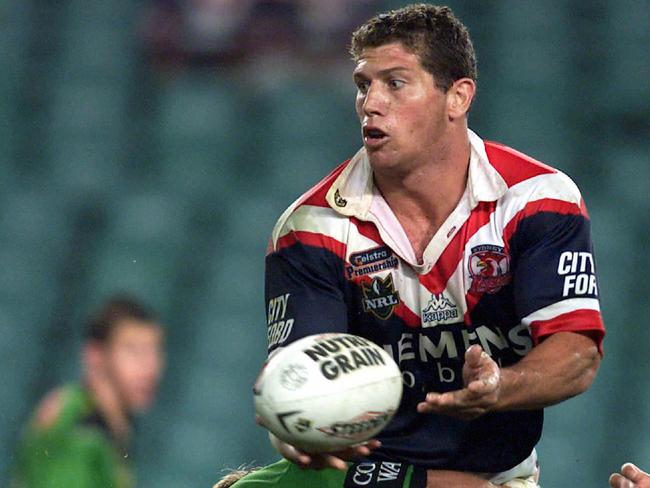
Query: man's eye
pixel 362 86
pixel 395 84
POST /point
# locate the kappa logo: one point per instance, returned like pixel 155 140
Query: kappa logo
pixel 380 297
pixel 489 268
pixel 371 261
pixel 439 310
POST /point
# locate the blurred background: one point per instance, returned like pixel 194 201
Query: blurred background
pixel 149 146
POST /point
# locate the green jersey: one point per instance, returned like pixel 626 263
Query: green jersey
pixel 285 474
pixel 75 450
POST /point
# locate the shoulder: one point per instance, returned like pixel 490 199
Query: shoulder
pixel 311 213
pixel 50 408
pixel 530 180
pixel 62 406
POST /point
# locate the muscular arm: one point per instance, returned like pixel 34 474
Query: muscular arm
pixel 562 366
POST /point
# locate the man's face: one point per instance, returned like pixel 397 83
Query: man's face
pixel 133 361
pixel 403 113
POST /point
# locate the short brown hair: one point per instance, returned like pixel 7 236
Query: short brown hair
pixel 116 309
pixel 433 33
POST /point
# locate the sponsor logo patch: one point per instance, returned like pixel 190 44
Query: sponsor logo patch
pixel 377 474
pixel 489 268
pixel 340 356
pixel 279 326
pixel 380 297
pixel 578 270
pixel 371 261
pixel 440 310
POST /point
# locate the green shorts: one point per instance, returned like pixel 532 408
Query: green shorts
pixel 366 474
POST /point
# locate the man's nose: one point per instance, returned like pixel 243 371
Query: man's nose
pixel 374 102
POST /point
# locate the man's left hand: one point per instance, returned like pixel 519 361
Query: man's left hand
pixel 482 380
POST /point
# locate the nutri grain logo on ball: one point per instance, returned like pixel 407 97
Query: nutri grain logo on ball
pixel 328 391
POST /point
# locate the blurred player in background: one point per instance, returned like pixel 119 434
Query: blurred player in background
pixel 630 477
pixel 470 262
pixel 79 435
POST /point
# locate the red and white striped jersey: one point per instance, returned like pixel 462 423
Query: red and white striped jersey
pixel 513 263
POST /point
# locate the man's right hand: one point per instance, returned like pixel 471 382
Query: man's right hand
pixel 630 477
pixel 336 460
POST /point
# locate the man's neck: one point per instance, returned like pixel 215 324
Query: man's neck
pixel 110 408
pixel 425 196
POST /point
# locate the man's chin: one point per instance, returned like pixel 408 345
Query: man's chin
pixel 140 405
pixel 381 159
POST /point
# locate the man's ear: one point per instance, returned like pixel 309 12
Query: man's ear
pixel 459 97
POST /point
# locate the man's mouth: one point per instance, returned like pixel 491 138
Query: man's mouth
pixel 373 135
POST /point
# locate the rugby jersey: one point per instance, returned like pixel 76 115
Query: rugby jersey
pixel 513 263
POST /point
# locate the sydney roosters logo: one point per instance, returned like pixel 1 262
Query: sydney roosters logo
pixel 489 268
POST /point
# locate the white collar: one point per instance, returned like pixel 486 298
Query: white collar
pixel 352 191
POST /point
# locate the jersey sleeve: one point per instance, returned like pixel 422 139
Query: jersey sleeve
pixel 303 291
pixel 555 283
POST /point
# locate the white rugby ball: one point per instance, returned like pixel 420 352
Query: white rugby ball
pixel 326 392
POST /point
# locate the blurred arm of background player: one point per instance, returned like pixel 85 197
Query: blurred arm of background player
pixel 630 477
pixel 562 366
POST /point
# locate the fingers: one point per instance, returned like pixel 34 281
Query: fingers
pixel 459 404
pixel 440 400
pixel 321 461
pixel 300 458
pixel 632 472
pixel 372 444
pixel 473 356
pixel 487 382
pixel 483 379
pixel 630 477
pixel 336 460
pixel 618 481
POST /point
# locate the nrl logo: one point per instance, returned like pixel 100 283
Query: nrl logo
pixel 440 310
pixel 380 297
